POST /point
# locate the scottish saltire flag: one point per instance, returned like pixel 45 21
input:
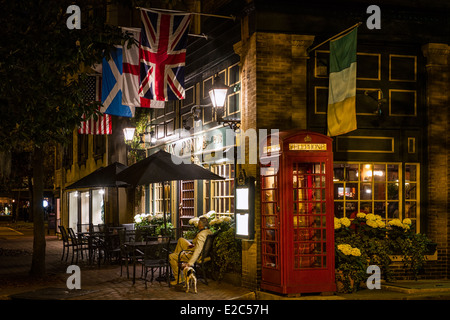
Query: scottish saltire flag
pixel 162 55
pixel 112 86
pixel 130 76
pixel 103 124
pixel 341 116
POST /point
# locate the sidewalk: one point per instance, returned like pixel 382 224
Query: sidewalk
pixel 97 283
pixel 106 283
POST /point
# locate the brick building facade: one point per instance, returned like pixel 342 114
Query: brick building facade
pixel 278 83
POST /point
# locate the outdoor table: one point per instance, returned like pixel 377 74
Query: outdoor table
pixel 90 236
pixel 135 245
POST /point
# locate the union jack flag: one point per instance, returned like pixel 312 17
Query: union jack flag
pixel 162 54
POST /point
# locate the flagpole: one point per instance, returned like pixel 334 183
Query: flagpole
pixel 189 34
pixel 335 36
pixel 197 13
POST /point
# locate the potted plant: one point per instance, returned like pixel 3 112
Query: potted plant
pixel 351 267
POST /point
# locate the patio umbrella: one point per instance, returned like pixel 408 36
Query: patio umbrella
pixel 160 167
pixel 103 177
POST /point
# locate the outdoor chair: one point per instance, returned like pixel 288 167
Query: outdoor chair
pixel 66 242
pixel 99 228
pixel 124 251
pixel 84 227
pixel 203 260
pixel 112 243
pixel 156 257
pixel 78 245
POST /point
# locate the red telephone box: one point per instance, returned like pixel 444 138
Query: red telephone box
pixel 297 218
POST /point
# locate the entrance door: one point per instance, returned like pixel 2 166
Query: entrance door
pixel 187 207
pixel 308 244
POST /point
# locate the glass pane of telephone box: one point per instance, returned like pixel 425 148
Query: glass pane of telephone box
pixel 309 222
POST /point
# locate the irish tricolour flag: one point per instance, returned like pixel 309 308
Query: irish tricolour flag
pixel 342 87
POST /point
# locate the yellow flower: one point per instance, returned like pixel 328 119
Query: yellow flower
pixel 396 223
pixel 381 224
pixel 348 250
pixel 370 216
pixel 360 215
pixel 407 221
pixel 345 221
pixel 355 252
pixel 372 223
pixel 337 223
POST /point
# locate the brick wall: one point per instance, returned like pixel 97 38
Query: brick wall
pixel 437 105
pixel 273 88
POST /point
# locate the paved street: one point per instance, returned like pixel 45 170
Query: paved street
pixel 106 283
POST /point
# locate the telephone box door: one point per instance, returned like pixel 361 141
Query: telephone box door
pixel 309 231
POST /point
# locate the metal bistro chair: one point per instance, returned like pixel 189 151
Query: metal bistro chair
pixel 204 258
pixel 112 243
pixel 156 257
pixel 77 245
pixel 124 251
pixel 66 242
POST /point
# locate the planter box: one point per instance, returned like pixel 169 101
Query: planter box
pixel 430 254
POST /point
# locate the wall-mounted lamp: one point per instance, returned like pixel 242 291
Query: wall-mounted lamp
pixel 218 92
pixel 128 133
pixel 218 95
pixel 152 137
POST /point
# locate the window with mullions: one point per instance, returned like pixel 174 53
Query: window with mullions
pixel 221 192
pixel 156 198
pixel 376 188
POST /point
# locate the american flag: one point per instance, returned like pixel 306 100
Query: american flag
pixel 162 54
pixel 103 124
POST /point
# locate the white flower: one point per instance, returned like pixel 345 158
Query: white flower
pixel 216 221
pixel 194 221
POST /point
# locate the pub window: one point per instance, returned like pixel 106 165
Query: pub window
pixel 68 154
pixel 376 188
pixel 82 148
pixel 235 92
pixel 99 145
pixel 157 195
pixel 221 192
pixel 412 208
